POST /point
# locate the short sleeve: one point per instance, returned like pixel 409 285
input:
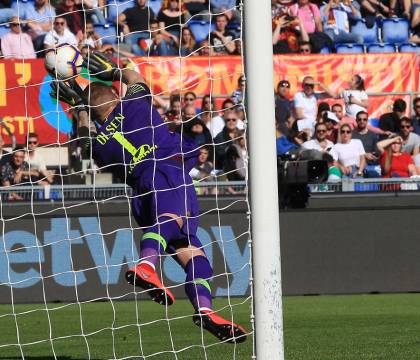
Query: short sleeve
pixel 315 10
pixel 363 95
pixel 334 153
pixel 361 149
pixel 297 100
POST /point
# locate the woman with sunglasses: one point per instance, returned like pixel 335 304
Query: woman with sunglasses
pixel 394 162
pixel 349 154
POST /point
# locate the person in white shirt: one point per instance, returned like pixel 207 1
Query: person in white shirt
pixel 59 34
pixel 17 44
pixel 349 154
pixel 36 162
pixel 355 98
pixel 305 102
pixel 217 123
pixel 320 143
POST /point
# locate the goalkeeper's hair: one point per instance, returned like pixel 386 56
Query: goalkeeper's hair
pixel 100 97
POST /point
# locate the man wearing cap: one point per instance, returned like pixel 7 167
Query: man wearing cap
pixel 283 105
pixel 331 121
pixel 320 143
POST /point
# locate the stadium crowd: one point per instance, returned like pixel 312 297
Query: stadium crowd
pixel 335 25
pixel 353 147
pixel 132 28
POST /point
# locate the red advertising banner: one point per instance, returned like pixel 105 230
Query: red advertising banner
pixel 25 104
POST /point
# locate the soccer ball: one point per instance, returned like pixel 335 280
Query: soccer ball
pixel 64 61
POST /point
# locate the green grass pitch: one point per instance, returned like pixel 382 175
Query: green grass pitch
pixel 320 327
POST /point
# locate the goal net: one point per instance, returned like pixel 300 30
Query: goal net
pixel 68 230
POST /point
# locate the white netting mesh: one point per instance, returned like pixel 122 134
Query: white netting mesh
pixel 68 234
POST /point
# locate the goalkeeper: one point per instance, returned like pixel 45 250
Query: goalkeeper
pixel 131 139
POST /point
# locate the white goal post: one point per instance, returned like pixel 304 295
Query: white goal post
pixel 263 180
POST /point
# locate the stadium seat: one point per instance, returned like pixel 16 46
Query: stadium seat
pixel 200 29
pixel 409 48
pixel 395 30
pixel 115 8
pixel 349 49
pixel 155 5
pixel 107 32
pixel 370 35
pixel 325 50
pixel 381 48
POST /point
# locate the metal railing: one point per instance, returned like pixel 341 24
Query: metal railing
pixel 106 191
pixel 367 185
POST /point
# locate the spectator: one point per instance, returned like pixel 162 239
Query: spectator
pixel 6 11
pixel 189 99
pixel 284 144
pixel 36 162
pixel 238 95
pixel 203 171
pixel 59 34
pixel 310 18
pixel 40 17
pixel 349 154
pixel 331 122
pixel 134 23
pixel 415 25
pixel 206 49
pixel 225 138
pixel 16 171
pixel 288 32
pixel 5 156
pixel 94 9
pixel 194 127
pixel 74 14
pixel 338 110
pixel 336 21
pixel 214 123
pixel 159 45
pixel 305 47
pixel 369 140
pixel 323 107
pixel 416 117
pixel 373 10
pixel 305 102
pixel 355 98
pixel 235 160
pixel 17 44
pixel 395 162
pixel 188 44
pixel 320 143
pixel 410 140
pixel 173 115
pixel 221 39
pixel 283 106
pixel 171 17
pixel 91 37
pixel 334 172
pixel 218 122
pixel 391 121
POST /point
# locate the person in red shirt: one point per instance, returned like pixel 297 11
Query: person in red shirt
pixel 394 162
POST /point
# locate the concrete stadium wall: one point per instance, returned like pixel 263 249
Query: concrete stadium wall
pixel 353 244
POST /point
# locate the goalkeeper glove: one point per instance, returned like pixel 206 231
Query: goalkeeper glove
pixel 70 94
pixel 101 67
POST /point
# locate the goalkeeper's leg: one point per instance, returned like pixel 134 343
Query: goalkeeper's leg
pixel 197 287
pixel 153 242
